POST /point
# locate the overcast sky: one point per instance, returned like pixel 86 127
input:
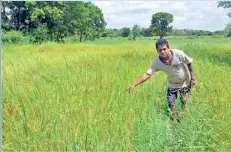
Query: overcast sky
pixel 204 15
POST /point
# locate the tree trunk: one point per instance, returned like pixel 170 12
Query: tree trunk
pixel 18 20
pixel 85 38
pixel 81 36
pixel 4 10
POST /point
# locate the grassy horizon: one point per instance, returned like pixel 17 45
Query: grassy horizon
pixel 71 97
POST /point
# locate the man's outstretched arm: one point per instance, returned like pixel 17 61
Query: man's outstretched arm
pixel 143 78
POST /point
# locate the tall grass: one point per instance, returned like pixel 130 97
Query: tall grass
pixel 71 97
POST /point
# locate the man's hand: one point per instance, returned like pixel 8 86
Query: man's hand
pixel 129 89
pixel 193 80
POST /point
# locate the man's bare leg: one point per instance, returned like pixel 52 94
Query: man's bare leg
pixel 183 99
pixel 173 115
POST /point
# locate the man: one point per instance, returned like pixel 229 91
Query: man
pixel 179 69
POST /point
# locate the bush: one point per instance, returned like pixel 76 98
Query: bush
pixel 210 33
pixel 71 39
pixel 40 34
pixel 12 36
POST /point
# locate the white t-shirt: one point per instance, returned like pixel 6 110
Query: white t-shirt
pixel 178 73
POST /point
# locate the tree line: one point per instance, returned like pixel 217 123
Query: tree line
pixel 146 32
pixel 53 20
pixel 42 21
pixel 160 27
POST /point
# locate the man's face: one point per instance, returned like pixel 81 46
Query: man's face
pixel 163 50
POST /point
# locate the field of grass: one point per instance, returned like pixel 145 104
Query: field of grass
pixel 71 97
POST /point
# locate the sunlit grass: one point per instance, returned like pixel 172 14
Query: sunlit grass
pixel 72 97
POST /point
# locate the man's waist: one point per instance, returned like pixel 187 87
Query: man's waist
pixel 178 79
pixel 178 84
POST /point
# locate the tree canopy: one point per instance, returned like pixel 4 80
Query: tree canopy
pixel 160 23
pixel 54 19
pixel 125 32
pixel 136 30
pixel 225 4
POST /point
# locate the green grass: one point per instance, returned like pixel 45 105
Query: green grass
pixel 71 97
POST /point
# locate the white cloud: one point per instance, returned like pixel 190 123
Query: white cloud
pixel 187 14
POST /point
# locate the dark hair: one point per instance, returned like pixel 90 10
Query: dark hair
pixel 161 42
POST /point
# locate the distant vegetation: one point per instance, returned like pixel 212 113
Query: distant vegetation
pixel 52 21
pixel 77 21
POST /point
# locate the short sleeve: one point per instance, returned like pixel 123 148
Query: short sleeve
pixel 152 69
pixel 185 58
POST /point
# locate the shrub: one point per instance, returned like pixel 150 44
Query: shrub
pixel 12 36
pixel 40 34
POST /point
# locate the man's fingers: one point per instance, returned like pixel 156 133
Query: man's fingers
pixel 128 89
pixel 193 82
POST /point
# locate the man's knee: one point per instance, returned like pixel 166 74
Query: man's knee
pixel 171 104
pixel 171 96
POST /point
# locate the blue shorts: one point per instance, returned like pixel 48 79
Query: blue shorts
pixel 172 94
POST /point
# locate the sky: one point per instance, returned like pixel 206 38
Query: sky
pixel 197 15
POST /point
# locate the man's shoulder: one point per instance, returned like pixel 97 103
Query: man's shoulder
pixel 156 61
pixel 177 56
pixel 177 51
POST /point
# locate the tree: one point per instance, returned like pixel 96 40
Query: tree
pixel 47 15
pixel 5 19
pixel 178 32
pixel 221 32
pixel 4 16
pixel 40 34
pixel 225 4
pixel 96 22
pixel 125 32
pixel 84 20
pixel 111 33
pixel 160 23
pixel 210 33
pixel 135 31
pixel 55 19
pixel 146 32
pixel 228 30
pixel 18 14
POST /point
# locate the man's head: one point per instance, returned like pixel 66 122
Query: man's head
pixel 162 48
